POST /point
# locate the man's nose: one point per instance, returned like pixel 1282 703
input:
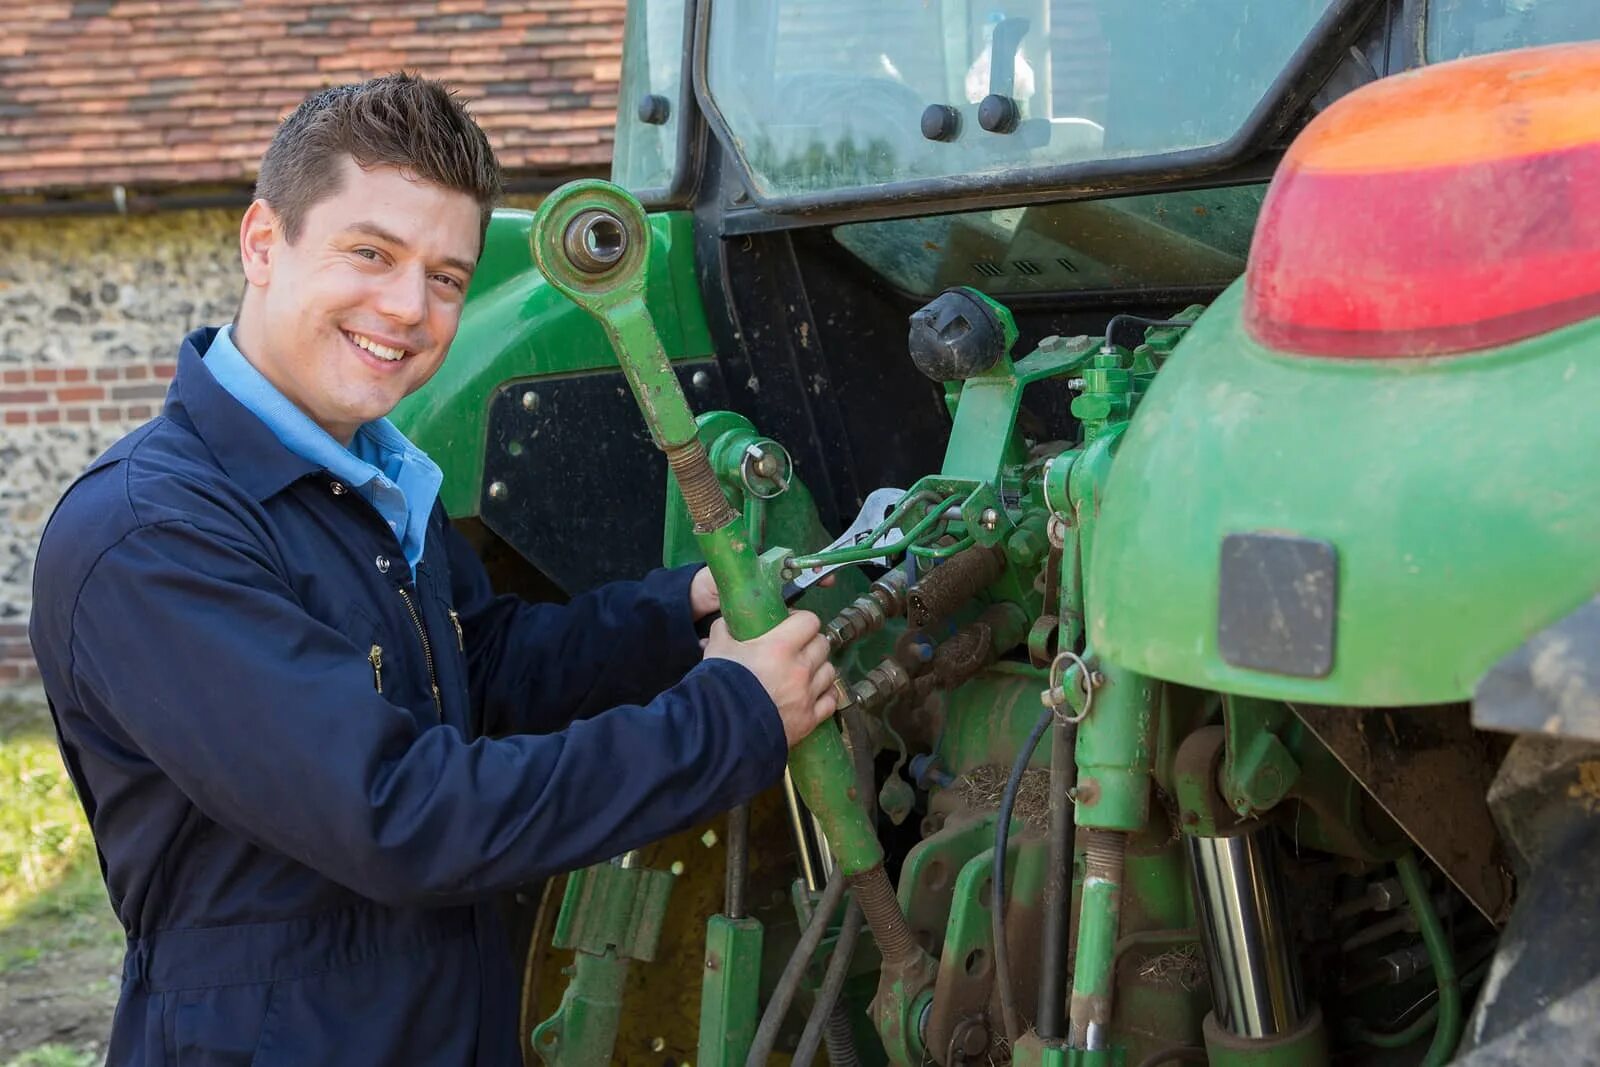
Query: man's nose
pixel 403 296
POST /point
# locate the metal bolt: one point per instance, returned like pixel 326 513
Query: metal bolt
pixel 530 400
pixel 498 490
pixel 1075 384
pixel 700 379
pixel 1051 343
pixel 658 1044
pixel 989 519
pixel 709 838
pixel 677 867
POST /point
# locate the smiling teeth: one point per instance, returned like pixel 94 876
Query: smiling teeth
pixel 381 351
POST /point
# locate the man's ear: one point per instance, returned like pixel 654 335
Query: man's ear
pixel 260 233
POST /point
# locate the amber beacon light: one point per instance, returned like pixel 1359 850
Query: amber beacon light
pixel 1447 210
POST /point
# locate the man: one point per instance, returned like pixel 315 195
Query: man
pixel 310 742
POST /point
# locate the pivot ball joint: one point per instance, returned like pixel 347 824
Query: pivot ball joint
pixel 595 241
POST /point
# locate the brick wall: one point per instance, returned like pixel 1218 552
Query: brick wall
pixel 91 312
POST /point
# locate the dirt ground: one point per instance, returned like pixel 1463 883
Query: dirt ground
pixel 63 998
pixel 60 946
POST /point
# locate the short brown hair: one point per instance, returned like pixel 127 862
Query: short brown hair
pixel 398 120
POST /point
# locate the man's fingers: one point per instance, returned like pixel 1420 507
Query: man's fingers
pixel 797 629
pixel 823 679
pixel 826 706
pixel 815 654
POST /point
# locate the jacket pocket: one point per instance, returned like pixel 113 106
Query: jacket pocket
pixel 224 1026
pixel 363 631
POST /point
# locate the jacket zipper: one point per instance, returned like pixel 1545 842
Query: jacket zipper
pixel 376 658
pixel 455 620
pixel 427 649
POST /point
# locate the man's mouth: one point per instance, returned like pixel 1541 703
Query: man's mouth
pixel 384 352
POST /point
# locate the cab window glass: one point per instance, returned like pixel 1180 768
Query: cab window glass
pixel 646 149
pixel 1459 28
pixel 1134 242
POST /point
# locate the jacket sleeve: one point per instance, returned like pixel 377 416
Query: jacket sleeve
pixel 534 668
pixel 267 719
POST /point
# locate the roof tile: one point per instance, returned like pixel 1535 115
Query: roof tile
pixel 151 92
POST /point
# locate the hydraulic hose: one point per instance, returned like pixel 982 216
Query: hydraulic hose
pixel 822 1017
pixel 1448 1031
pixel 997 913
pixel 789 982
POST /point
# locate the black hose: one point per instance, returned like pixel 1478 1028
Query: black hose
pixel 1111 324
pixel 793 971
pixel 1052 1016
pixel 828 995
pixel 997 900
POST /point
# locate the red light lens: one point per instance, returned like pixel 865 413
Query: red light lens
pixel 1448 210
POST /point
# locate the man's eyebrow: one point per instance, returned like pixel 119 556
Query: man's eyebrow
pixel 374 230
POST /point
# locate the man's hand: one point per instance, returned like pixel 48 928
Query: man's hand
pixel 703 595
pixel 791 663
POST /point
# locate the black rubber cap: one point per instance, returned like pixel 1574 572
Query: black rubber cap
pixel 941 122
pixel 998 114
pixel 654 109
pixel 955 336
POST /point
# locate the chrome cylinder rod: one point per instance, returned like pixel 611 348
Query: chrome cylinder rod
pixel 1255 979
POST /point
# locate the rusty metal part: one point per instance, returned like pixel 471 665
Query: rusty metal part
pixel 951 584
pixel 702 493
pixel 1089 1011
pixel 881 909
pixel 881 685
pixel 738 871
pixel 970 649
pixel 1431 772
pixel 969 1042
pixel 885 600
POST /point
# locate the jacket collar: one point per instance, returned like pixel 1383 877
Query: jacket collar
pixel 246 448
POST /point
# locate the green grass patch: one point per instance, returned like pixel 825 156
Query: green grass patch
pixel 54 1056
pixel 51 895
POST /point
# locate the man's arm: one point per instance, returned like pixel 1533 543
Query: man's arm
pixel 189 644
pixel 534 668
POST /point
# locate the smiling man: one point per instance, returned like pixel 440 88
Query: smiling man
pixel 310 741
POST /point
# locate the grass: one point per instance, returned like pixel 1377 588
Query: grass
pixel 51 896
pixel 53 1055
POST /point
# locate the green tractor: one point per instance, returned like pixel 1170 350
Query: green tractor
pixel 1197 406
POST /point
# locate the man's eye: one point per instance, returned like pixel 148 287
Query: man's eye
pixel 448 280
pixel 369 253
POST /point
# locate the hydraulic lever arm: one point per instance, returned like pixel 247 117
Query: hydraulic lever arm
pixel 591 241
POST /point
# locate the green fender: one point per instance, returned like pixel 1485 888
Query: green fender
pixel 1461 496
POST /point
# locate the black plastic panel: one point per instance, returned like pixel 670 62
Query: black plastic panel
pixel 1275 604
pixel 571 478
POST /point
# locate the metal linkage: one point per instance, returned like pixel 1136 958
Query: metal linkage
pixel 604 274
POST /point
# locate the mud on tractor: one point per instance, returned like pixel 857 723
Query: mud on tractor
pixel 1196 403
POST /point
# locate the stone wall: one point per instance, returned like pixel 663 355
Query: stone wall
pixel 91 313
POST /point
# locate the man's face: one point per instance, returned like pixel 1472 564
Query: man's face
pixel 358 311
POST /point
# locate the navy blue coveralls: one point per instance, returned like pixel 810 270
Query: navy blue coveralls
pixel 307 769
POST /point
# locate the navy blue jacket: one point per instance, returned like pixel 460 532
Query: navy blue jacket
pixel 307 769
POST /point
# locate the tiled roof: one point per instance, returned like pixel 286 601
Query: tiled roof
pixel 156 92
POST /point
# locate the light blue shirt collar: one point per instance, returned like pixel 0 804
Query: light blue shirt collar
pixel 393 475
